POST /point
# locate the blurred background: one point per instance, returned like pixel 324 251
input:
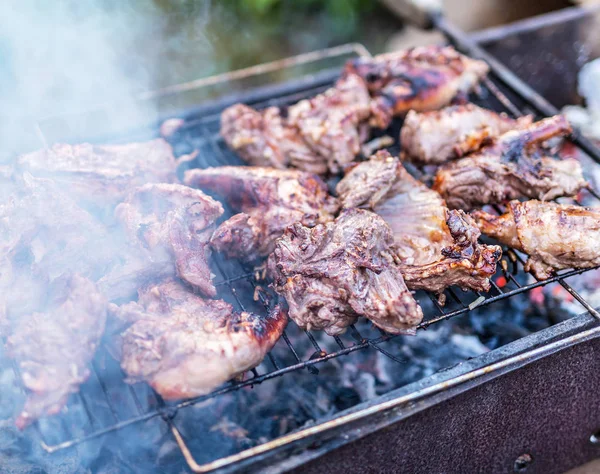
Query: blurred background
pixel 69 56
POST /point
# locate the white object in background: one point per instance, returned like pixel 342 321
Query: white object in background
pixel 587 119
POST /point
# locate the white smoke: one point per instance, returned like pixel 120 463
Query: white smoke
pixel 66 57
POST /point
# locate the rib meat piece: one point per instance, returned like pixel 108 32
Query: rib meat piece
pixel 336 272
pixel 268 201
pixel 172 219
pixel 185 346
pixel 555 236
pixel 511 168
pixel 423 78
pixel 314 135
pixel 438 136
pixel 54 346
pixel 103 174
pixel 437 248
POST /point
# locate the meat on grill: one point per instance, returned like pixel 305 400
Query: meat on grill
pixel 185 346
pixel 264 138
pixel 314 135
pixel 334 273
pixel 437 248
pixel 54 346
pixel 423 78
pixel 172 219
pixel 511 168
pixel 268 201
pixel 555 236
pixel 43 234
pixel 438 136
pixel 103 174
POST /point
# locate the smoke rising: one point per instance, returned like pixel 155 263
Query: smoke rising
pixel 67 57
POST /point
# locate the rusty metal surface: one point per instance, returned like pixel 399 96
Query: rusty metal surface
pixel 547 51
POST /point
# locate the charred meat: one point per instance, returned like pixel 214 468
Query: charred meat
pixel 103 174
pixel 424 78
pixel 185 346
pixel 437 248
pixel 177 220
pixel 438 136
pixel 268 201
pixel 315 135
pixel 54 346
pixel 513 167
pixel 555 236
pixel 336 272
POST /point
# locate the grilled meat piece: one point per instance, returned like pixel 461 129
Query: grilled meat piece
pixel 511 168
pixel 555 236
pixel 424 78
pixel 264 138
pixel 103 174
pixel 268 199
pixel 185 346
pixel 54 346
pixel 438 136
pixel 317 134
pixel 437 248
pixel 333 123
pixel 173 219
pixel 336 272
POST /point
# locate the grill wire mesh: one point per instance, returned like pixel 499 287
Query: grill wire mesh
pixel 128 405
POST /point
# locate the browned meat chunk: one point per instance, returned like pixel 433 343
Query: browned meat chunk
pixel 438 136
pixel 555 236
pixel 172 219
pixel 185 346
pixel 103 174
pixel 437 248
pixel 424 78
pixel 317 134
pixel 330 123
pixel 53 347
pixel 268 199
pixel 334 273
pixel 511 168
pixel 264 138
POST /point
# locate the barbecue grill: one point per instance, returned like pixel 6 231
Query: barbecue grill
pixel 408 426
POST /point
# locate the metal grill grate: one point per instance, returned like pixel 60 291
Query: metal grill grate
pixel 237 285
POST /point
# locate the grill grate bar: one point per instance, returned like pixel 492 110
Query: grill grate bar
pixel 580 299
pixel 104 391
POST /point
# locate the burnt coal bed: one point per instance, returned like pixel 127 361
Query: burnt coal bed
pixel 244 414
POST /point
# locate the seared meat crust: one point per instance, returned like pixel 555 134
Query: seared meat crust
pixel 173 219
pixel 268 199
pixel 437 248
pixel 185 346
pixel 442 135
pixel 336 272
pixel 318 134
pixel 555 236
pixel 511 168
pixel 423 78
